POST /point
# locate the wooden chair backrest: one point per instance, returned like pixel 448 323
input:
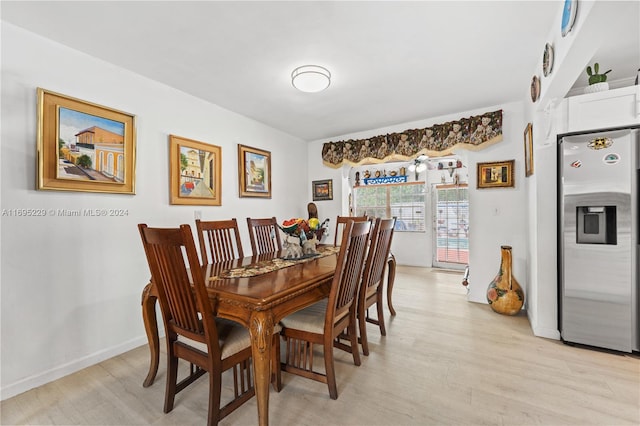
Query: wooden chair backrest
pixel 312 210
pixel 378 255
pixel 264 235
pixel 186 309
pixel 350 263
pixel 220 239
pixel 341 221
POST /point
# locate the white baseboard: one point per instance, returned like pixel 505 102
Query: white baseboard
pixel 64 370
pixel 548 333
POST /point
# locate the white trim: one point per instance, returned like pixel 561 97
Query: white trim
pixel 69 368
pixel 548 333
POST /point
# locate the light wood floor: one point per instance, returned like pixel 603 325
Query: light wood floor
pixel 444 361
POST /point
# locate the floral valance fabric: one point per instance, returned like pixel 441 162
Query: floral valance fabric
pixel 472 133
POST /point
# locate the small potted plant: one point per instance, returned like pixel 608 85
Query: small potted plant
pixel 597 81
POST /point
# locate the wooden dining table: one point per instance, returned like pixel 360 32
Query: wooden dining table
pixel 258 302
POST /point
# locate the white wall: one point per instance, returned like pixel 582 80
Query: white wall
pixel 497 216
pixel 71 286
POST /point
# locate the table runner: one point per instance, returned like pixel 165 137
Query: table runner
pixel 273 264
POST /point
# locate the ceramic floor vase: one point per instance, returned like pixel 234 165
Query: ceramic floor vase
pixel 504 294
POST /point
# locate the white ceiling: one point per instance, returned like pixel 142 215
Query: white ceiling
pixel 392 62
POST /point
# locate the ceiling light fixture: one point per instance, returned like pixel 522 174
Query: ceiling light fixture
pixel 311 78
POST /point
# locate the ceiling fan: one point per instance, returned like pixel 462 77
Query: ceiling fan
pixel 419 165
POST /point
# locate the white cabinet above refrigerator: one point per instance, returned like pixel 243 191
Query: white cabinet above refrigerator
pixel 611 108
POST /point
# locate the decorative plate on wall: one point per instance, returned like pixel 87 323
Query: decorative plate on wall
pixel 535 88
pixel 547 60
pixel 569 16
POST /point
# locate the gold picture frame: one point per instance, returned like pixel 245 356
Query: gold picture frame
pixel 84 146
pixel 498 174
pixel 528 150
pixel 322 189
pixel 195 172
pixel 254 172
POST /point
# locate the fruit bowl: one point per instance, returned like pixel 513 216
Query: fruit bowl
pixel 290 229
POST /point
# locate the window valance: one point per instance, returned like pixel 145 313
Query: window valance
pixel 472 133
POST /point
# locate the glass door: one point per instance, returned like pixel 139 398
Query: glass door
pixel 451 226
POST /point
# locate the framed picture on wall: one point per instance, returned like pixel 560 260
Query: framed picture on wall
pixel 254 172
pixel 528 150
pixel 496 174
pixel 83 146
pixel 196 172
pixel 322 189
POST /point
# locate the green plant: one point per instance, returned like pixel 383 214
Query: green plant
pixel 595 76
pixel 184 162
pixel 84 161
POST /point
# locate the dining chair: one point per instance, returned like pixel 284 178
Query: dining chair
pixel 220 238
pixel 312 210
pixel 322 322
pixel 264 235
pixel 193 333
pixel 341 221
pixel 391 260
pixel 371 288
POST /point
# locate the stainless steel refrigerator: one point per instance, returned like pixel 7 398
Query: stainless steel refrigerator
pixel 598 238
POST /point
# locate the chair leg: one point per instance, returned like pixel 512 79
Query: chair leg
pixel 215 391
pixel 172 379
pixel 391 278
pixel 330 369
pixel 383 330
pixel 362 322
pixel 353 338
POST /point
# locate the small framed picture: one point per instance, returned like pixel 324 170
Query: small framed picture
pixel 322 189
pixel 496 174
pixel 254 172
pixel 196 172
pixel 84 146
pixel 528 150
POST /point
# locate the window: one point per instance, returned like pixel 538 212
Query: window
pixel 404 201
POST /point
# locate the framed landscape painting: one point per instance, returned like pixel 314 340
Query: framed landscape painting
pixel 496 174
pixel 322 189
pixel 196 172
pixel 528 150
pixel 84 146
pixel 254 172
